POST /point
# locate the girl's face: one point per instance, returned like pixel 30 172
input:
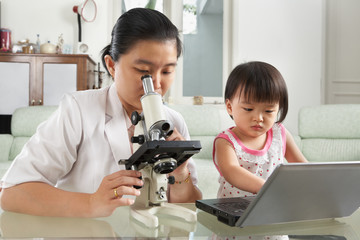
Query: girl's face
pixel 252 119
pixel 157 58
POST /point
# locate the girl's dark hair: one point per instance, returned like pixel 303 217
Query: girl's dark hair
pixel 140 24
pixel 258 82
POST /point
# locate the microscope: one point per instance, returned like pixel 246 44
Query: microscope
pixel 155 158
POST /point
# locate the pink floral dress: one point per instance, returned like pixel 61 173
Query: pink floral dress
pixel 259 162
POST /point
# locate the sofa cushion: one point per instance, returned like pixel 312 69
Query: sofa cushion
pixel 5 145
pixel 297 140
pixel 208 178
pixel 329 150
pixel 17 146
pixel 4 167
pixel 204 123
pixel 25 120
pixel 330 121
pixel 204 120
pixel 206 146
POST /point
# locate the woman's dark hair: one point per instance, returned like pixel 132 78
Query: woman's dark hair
pixel 258 82
pixel 140 24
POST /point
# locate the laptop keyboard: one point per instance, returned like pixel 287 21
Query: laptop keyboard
pixel 239 206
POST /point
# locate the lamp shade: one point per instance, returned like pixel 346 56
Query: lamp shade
pixel 87 10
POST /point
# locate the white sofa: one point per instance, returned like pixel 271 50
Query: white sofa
pixel 326 133
pixel 204 123
pixel 329 133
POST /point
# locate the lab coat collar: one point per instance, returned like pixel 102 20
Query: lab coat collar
pixel 115 126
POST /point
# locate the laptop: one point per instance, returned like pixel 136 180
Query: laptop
pixel 294 192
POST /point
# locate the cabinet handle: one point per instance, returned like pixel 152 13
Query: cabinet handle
pixel 39 102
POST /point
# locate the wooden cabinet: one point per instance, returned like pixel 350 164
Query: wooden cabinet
pixel 62 72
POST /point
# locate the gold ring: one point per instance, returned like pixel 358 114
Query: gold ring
pixel 115 193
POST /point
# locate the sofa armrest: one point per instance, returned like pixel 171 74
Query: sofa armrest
pixel 25 120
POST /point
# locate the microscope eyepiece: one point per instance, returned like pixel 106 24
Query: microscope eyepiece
pixel 146 76
pixel 165 126
pixel 148 84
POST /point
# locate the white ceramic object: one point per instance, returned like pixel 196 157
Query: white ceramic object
pixel 47 48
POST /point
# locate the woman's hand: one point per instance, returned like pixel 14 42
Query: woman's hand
pixel 175 136
pixel 111 191
pixel 38 198
pixel 182 170
pixel 186 191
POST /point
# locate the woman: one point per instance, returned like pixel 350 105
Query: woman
pixel 69 167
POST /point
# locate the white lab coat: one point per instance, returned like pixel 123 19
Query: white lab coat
pixel 80 143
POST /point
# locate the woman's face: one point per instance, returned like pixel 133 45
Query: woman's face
pixel 157 58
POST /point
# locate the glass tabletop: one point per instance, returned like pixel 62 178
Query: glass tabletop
pixel 121 224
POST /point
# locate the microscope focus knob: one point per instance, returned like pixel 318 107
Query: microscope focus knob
pixel 138 187
pixel 139 139
pixel 171 179
pixel 135 117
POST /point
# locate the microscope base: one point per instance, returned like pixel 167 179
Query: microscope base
pixel 148 218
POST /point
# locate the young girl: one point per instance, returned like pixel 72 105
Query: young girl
pixel 245 155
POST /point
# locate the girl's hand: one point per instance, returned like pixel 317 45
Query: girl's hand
pixel 111 191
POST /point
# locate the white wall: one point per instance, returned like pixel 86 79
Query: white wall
pixel 288 35
pixel 50 18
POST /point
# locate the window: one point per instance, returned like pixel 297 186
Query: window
pixel 203 29
pixel 189 17
pixel 203 48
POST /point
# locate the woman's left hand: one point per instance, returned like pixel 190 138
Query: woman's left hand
pixel 182 170
pixel 175 136
pixel 186 192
